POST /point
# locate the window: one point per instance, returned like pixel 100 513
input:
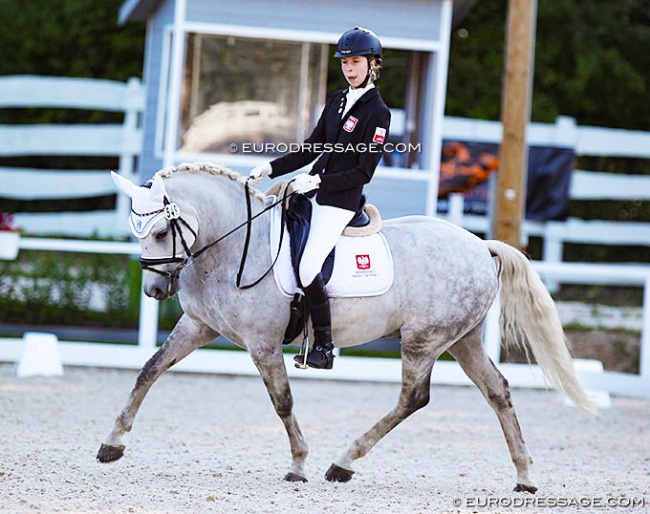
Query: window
pixel 240 90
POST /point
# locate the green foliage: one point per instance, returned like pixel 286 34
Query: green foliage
pixel 476 62
pixel 591 62
pixel 69 38
pixel 58 288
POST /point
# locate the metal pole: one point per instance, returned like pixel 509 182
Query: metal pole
pixel 509 201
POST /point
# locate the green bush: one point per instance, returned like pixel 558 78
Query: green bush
pixel 43 287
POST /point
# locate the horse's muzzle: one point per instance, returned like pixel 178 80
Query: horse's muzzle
pixel 159 287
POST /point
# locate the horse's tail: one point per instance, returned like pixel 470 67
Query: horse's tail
pixel 529 319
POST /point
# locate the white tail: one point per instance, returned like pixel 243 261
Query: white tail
pixel 529 319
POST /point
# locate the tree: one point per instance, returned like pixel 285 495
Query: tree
pixel 591 62
pixel 69 38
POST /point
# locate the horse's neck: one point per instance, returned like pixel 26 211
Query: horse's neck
pixel 220 204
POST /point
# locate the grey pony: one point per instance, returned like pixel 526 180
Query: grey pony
pixel 445 281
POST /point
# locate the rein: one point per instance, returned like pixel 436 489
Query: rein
pixel 172 213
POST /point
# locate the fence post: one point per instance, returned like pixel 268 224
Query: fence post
pixel 552 252
pixel 455 208
pixel 132 108
pixel 148 324
pixel 644 348
pixel 566 132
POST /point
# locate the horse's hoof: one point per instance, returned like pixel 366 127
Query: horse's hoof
pixel 293 477
pixel 523 488
pixel 338 474
pixel 109 453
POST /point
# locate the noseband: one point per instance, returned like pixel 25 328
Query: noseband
pixel 172 213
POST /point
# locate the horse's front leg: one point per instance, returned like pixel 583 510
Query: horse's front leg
pixel 270 363
pixel 185 338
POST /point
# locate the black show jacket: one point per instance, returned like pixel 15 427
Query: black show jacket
pixel 348 149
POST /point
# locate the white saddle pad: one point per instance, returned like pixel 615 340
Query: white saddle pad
pixel 363 266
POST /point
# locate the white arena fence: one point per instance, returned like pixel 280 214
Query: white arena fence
pixel 125 140
pixel 120 140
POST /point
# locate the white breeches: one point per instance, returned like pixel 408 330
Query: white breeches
pixel 327 225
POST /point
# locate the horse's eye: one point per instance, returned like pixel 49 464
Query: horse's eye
pixel 161 235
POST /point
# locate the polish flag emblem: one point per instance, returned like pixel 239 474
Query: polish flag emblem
pixel 380 135
pixel 350 123
pixel 363 261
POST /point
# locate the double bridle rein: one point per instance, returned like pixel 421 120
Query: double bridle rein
pixel 172 213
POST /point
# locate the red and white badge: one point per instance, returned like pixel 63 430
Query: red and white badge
pixel 380 135
pixel 363 261
pixel 350 123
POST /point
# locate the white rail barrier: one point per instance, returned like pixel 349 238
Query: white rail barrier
pixel 353 368
pixel 122 140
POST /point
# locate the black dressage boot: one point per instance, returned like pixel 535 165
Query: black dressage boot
pixel 321 355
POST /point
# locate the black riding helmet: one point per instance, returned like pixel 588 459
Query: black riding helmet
pixel 358 41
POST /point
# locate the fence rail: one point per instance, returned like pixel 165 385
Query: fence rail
pixel 121 140
pixel 590 373
pixel 124 140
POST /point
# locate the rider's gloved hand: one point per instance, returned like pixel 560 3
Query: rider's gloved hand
pixel 304 182
pixel 259 172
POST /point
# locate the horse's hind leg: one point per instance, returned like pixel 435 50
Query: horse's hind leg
pixel 186 337
pixel 471 355
pixel 416 383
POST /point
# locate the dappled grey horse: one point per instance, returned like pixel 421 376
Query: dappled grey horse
pixel 445 280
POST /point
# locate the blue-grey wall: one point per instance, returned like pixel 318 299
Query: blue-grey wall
pixel 153 65
pixel 413 19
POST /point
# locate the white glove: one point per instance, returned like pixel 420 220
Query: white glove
pixel 304 182
pixel 259 172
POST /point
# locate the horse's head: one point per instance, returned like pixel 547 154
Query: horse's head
pixel 165 233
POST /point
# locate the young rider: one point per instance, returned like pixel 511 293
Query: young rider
pixel 347 143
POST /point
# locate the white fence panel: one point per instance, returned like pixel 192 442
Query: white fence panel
pixel 123 141
pixel 64 92
pixel 68 140
pixel 36 184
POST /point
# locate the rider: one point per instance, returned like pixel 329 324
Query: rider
pixel 347 143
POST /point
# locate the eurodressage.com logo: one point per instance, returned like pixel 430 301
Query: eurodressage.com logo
pixel 318 148
pixel 552 502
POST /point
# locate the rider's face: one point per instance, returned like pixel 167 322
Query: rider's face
pixel 354 69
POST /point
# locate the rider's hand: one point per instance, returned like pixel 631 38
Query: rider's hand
pixel 259 172
pixel 304 182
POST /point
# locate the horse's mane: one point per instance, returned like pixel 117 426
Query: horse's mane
pixel 212 169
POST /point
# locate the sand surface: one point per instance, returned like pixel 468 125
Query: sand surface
pixel 214 444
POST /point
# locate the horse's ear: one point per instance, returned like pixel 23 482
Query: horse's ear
pixel 157 192
pixel 124 184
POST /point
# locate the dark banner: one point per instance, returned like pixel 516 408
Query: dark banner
pixel 467 167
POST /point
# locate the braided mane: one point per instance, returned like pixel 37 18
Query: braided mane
pixel 212 169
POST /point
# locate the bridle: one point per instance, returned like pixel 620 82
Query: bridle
pixel 172 213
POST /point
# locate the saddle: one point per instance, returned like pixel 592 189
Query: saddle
pixel 297 219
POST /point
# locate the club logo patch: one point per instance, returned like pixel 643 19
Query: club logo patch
pixel 363 261
pixel 350 123
pixel 380 135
